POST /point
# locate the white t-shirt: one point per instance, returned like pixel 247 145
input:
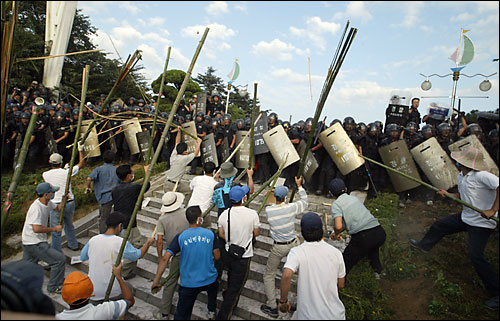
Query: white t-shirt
pixel 102 251
pixel 58 177
pixel 243 221
pixel 111 310
pixel 178 164
pixel 477 188
pixel 203 190
pixel 38 213
pixel 319 265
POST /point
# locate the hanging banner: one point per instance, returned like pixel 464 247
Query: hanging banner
pixel 59 21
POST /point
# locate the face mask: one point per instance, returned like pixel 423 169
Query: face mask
pixel 199 223
pixel 53 195
pixel 132 177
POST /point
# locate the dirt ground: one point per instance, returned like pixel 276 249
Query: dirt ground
pixel 409 299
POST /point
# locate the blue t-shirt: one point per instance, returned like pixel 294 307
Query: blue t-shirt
pixel 104 178
pixel 197 267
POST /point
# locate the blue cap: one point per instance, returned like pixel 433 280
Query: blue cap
pixel 44 188
pixel 281 191
pixel 311 221
pixel 237 193
pixel 336 186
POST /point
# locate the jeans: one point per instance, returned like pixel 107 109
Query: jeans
pixel 365 243
pixel 278 251
pixel 69 229
pixel 55 259
pixel 478 238
pixel 169 288
pixel 104 211
pixel 134 239
pixel 237 275
pixel 187 297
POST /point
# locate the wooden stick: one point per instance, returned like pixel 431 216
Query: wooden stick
pixel 155 157
pixel 280 169
pixel 252 130
pixel 62 55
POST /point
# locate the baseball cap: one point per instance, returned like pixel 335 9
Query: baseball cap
pixel 336 185
pixel 281 191
pixel 311 221
pixel 55 158
pixel 44 188
pixel 237 193
pixel 77 286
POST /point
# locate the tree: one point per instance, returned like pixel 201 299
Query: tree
pixel 30 42
pixel 173 82
pixel 209 81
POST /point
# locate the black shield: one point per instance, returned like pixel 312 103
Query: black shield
pixel 143 140
pixel 208 150
pixel 201 103
pixel 261 127
pixel 311 164
pixel 49 139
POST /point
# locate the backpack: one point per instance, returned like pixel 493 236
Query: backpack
pixel 221 193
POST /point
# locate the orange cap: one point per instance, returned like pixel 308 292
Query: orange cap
pixel 77 286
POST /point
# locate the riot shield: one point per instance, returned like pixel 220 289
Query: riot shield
pixel 437 112
pixel 111 139
pixel 190 127
pixel 131 127
pixel 311 164
pixel 280 146
pixel 91 146
pixel 397 156
pixel 224 150
pixel 208 150
pixel 260 128
pixel 341 148
pixel 473 141
pixel 201 103
pixel 435 163
pixel 143 141
pixel 50 141
pixel 396 114
pixel 243 154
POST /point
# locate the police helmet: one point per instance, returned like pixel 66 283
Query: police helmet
pixel 427 131
pixel 15 105
pixel 286 124
pixel 226 116
pixel 25 115
pixel 164 114
pixel 207 117
pixel 361 126
pixel 493 133
pixel 132 98
pixel 18 114
pixel 475 129
pixel 336 120
pixel 412 126
pixel 180 118
pixel 189 117
pixel 75 111
pixel 444 129
pixel 200 114
pixel 390 128
pixel 115 109
pixel 349 120
pixel 140 101
pixel 272 116
pixel 309 121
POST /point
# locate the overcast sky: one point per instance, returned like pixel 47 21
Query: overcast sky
pixel 273 40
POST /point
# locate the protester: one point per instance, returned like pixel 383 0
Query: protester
pixel 77 291
pixel 34 236
pixel 179 161
pixel 221 190
pixel 321 275
pixel 480 189
pixel 57 177
pixel 102 250
pixel 367 235
pixel 281 218
pixel 125 196
pixel 198 247
pixel 203 189
pixel 171 222
pixel 245 225
pixel 104 179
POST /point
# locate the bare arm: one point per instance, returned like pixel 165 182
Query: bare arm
pixel 145 247
pixel 81 163
pixel 44 229
pixel 221 233
pixel 286 279
pixel 442 192
pixel 338 227
pixel 198 146
pixel 62 137
pixel 256 231
pixel 250 180
pixel 341 283
pixel 162 265
pixel 159 246
pixel 126 292
pixel 318 146
pixel 216 254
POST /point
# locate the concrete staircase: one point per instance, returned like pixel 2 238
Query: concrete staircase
pixel 253 294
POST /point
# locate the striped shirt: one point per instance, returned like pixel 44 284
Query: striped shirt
pixel 281 217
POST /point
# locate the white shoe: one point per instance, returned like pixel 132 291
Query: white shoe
pixel 159 316
pixel 430 203
pixel 211 315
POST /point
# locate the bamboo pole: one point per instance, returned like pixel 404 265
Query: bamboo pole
pixel 254 109
pixel 148 157
pixel 330 78
pixel 237 147
pixel 425 184
pixel 85 79
pixel 155 157
pixel 266 183
pixel 19 168
pixel 173 190
pixel 280 169
pixel 8 30
pixel 124 72
pixel 62 55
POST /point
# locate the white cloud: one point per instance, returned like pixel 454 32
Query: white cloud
pixel 315 28
pixel 486 6
pixel 242 6
pixel 216 39
pixel 426 28
pixel 462 17
pixel 89 7
pixel 127 5
pixel 274 50
pixel 355 9
pixel 412 9
pixel 217 8
pixel 156 21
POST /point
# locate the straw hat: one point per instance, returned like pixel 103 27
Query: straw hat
pixel 171 201
pixel 471 158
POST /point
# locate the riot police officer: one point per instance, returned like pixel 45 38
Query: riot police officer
pixel 201 131
pixel 410 135
pixel 445 137
pixel 61 131
pixel 492 144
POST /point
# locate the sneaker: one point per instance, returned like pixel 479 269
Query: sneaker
pixel 269 311
pixel 378 276
pixel 57 290
pixel 211 315
pixel 430 203
pixel 402 205
pixel 78 248
pixel 160 316
pixel 492 303
pixel 416 244
pixel 318 192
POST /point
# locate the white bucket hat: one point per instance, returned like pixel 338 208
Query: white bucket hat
pixel 171 201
